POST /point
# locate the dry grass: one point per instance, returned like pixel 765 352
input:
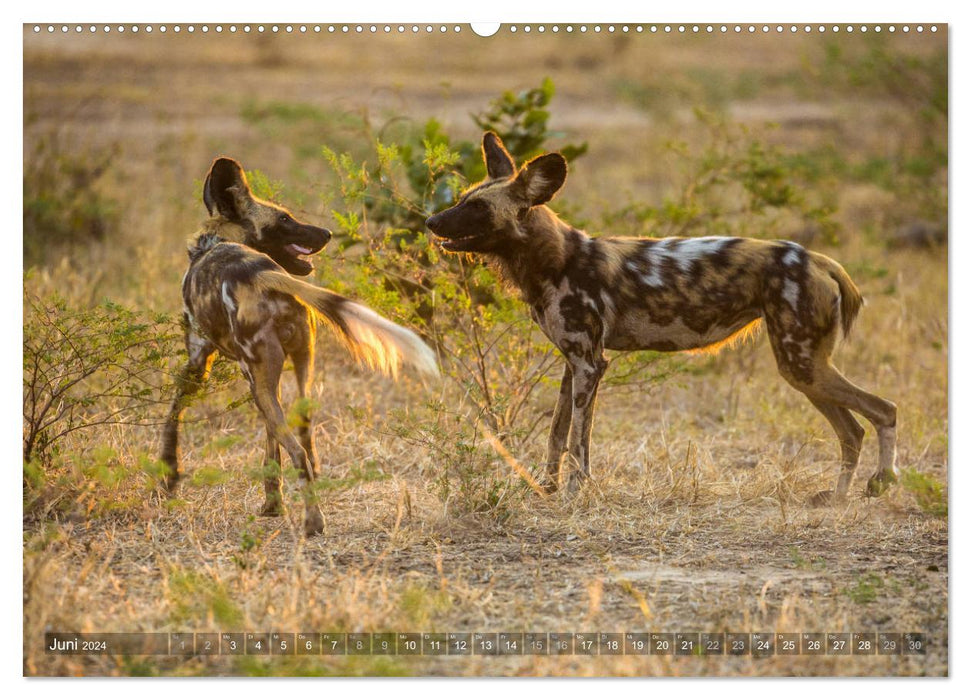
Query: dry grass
pixel 696 518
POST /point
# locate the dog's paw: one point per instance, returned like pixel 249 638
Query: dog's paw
pixel 165 490
pixel 575 483
pixel 879 483
pixel 314 522
pixel 826 498
pixel 160 494
pixel 272 508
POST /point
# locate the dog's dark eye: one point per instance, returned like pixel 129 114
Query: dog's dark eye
pixel 283 218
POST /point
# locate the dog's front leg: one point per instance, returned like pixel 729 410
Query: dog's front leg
pixel 587 373
pixel 559 430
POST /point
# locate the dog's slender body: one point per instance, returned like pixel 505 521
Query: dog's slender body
pixel 589 295
pixel 240 300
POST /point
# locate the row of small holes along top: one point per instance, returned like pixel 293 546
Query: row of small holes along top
pixel 428 28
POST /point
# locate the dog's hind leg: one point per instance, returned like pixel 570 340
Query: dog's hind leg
pixel 303 366
pixel 273 503
pixel 188 383
pixel 803 358
pixel 264 376
pixel 850 434
pixel 881 413
pixel 559 430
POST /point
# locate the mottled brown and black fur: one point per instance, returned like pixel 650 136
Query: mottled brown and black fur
pixel 671 294
pixel 240 299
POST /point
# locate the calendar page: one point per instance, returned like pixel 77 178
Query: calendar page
pixel 523 349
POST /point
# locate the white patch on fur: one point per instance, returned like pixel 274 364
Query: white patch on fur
pixel 792 256
pixel 655 255
pixel 228 299
pixel 805 347
pixel 247 345
pixel 196 344
pixel 790 292
pixel 608 302
pixel 691 249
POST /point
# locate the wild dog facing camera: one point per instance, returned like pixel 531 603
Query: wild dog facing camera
pixel 267 227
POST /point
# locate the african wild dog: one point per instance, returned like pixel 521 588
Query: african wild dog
pixel 240 300
pixel 594 294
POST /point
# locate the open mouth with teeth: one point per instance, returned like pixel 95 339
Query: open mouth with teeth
pixel 458 243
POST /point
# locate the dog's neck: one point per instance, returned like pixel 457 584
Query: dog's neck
pixel 223 228
pixel 540 255
pixel 216 229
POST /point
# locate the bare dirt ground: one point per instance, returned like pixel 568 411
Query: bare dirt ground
pixel 696 519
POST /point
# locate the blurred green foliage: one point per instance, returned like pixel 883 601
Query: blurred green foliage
pixel 64 204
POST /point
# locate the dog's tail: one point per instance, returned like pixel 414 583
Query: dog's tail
pixel 372 339
pixel 851 300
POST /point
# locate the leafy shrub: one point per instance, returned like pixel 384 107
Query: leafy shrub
pixel 87 367
pixel 521 119
pixel 915 170
pixel 63 203
pixel 732 184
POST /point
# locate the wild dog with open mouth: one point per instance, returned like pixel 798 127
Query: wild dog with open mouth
pixel 670 294
pixel 241 300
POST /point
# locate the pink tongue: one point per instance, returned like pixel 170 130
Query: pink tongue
pixel 300 249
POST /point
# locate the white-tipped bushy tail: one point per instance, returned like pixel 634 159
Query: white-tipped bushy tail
pixel 383 345
pixel 373 340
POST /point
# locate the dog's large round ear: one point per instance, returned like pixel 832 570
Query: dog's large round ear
pixel 542 178
pixel 497 159
pixel 226 190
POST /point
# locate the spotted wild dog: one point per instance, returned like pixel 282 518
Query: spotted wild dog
pixel 241 299
pixel 589 295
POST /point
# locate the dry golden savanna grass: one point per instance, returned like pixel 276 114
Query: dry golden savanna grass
pixel 696 519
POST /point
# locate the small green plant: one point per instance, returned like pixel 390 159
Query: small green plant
pixel 929 492
pixel 420 604
pixel 801 562
pixel 866 588
pixel 201 600
pixel 250 540
pixel 467 477
pixel 93 367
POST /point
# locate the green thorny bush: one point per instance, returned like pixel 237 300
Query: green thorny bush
pixel 94 367
pixel 491 351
